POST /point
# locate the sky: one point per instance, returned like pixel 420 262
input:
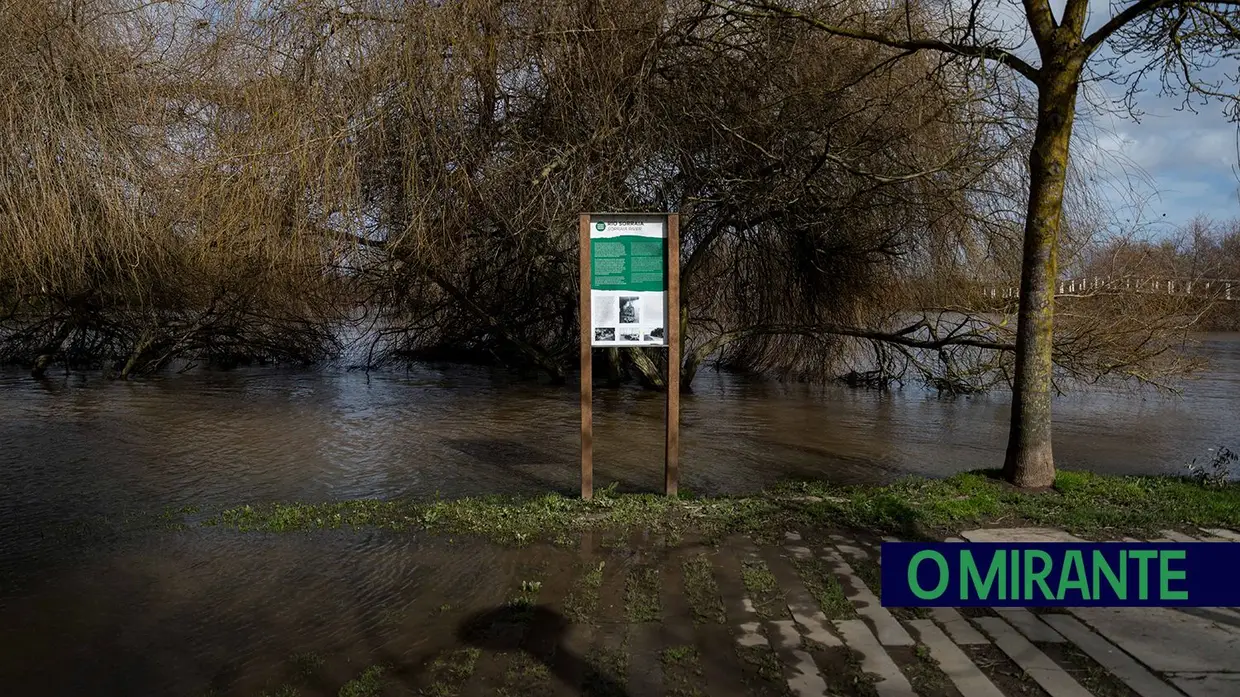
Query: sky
pixel 1166 167
pixel 1180 163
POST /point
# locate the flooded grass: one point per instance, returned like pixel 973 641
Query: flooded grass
pixel 821 582
pixel 702 592
pixel 1080 502
pixel 612 666
pixel 768 599
pixel 682 671
pixel 448 674
pixel 641 595
pixel 525 676
pixel 582 601
pixel 765 664
pixel 507 519
pixel 306 665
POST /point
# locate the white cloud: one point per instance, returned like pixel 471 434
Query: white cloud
pixel 1174 163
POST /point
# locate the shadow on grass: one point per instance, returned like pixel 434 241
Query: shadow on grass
pixel 500 630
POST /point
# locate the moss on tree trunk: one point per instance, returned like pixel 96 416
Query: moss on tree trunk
pixel 1030 461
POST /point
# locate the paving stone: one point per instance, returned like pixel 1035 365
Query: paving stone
pixel 958 627
pixel 1220 615
pixel 1224 533
pixel 1174 536
pixel 1019 535
pixel 803 607
pixel 803 677
pixel 1110 657
pixel 849 548
pixel 967 678
pixel 1054 679
pixel 890 632
pixel 1028 623
pixel 792 536
pixel 1208 684
pixel 750 634
pixel 784 634
pixel 1207 537
pixel 874 659
pixel 1166 640
pixel 801 672
pixel 1120 664
pixel 954 539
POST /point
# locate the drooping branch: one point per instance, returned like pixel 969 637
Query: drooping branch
pixel 966 50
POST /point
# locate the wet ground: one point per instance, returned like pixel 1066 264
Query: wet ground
pixel 617 616
pixel 88 611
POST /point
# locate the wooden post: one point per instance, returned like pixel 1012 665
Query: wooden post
pixel 671 462
pixel 587 393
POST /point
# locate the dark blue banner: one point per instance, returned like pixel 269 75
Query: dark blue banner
pixel 1061 574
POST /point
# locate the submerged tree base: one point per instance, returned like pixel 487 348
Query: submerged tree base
pixel 1091 505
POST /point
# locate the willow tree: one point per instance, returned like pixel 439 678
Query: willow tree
pixel 1180 41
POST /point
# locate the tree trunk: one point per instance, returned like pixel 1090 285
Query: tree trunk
pixel 45 357
pixel 1030 462
pixel 615 370
pixel 648 373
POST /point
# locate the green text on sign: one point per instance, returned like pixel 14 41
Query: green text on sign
pixel 627 262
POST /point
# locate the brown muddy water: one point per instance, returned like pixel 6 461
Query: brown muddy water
pixel 187 612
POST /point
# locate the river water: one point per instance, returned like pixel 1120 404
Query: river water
pixel 164 612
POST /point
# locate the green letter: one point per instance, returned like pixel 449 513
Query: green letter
pixel 1166 574
pixel 1074 564
pixel 1143 576
pixel 1015 579
pixel 1119 585
pixel 1038 577
pixel 969 574
pixel 944 577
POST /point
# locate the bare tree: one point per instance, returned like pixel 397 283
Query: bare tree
pixel 1179 40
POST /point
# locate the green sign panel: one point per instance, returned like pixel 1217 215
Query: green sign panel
pixel 627 262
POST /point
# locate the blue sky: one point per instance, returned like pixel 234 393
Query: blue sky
pixel 1162 170
pixel 1180 163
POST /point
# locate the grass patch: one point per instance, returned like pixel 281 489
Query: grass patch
pixel 610 665
pixel 641 595
pixel 922 671
pixel 448 674
pixel 763 589
pixel 857 681
pixel 682 670
pixel 701 591
pixel 509 519
pixel 306 665
pixel 825 587
pixel 762 660
pixel 525 676
pixel 582 601
pixel 1092 676
pixel 1083 503
pixel 368 684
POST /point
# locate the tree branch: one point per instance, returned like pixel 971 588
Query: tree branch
pixel 994 53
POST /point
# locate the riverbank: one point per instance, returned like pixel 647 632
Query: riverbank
pixel 1086 504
